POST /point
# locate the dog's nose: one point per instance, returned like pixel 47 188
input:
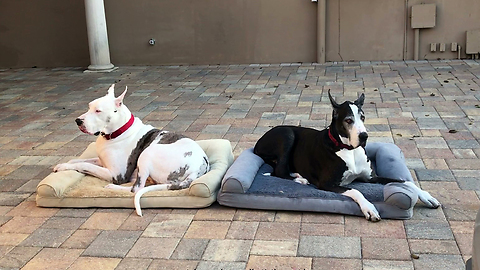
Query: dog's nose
pixel 79 121
pixel 363 136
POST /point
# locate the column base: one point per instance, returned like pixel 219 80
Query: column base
pixel 101 68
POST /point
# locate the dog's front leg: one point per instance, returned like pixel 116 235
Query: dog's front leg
pixel 95 161
pixel 69 165
pixel 368 209
pixel 86 168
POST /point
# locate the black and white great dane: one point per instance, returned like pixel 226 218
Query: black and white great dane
pixel 331 158
pixel 129 150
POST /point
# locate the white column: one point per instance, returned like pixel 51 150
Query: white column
pixel 97 37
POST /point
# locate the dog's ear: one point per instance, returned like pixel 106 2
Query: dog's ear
pixel 111 91
pixel 119 99
pixel 360 100
pixel 334 105
pixel 332 101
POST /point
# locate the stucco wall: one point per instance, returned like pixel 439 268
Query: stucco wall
pixel 211 31
pixel 365 30
pixel 46 33
pixel 454 18
pixel 51 33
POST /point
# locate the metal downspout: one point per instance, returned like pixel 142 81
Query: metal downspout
pixel 321 30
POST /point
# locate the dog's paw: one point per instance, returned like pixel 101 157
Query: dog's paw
pixel 424 196
pixel 111 186
pixel 62 167
pixel 134 189
pixel 302 181
pixel 371 213
pixel 116 187
pixel 428 199
pixel 295 175
pixel 299 179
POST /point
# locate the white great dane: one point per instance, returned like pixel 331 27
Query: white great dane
pixel 129 150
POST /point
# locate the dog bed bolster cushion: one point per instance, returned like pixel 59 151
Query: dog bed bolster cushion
pixel 74 189
pixel 246 185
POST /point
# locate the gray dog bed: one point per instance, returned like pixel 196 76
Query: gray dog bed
pixel 245 186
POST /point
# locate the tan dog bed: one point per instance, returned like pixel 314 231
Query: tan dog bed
pixel 74 189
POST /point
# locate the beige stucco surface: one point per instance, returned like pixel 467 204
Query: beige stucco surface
pixel 454 18
pixel 199 32
pixel 52 33
pixel 365 30
pixel 43 33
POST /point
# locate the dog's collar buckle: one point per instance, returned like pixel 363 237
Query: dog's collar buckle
pixel 121 130
pixel 337 143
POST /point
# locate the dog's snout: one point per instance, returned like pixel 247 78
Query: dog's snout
pixel 79 121
pixel 363 136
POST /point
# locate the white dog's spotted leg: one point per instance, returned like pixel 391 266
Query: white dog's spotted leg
pixel 299 179
pixel 368 209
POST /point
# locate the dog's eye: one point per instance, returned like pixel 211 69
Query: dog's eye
pixel 362 118
pixel 349 121
pixel 98 111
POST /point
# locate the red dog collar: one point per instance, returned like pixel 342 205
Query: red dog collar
pixel 121 130
pixel 337 143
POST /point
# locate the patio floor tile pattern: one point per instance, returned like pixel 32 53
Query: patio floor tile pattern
pixel 430 109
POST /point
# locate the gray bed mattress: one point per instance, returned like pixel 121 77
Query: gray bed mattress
pixel 245 185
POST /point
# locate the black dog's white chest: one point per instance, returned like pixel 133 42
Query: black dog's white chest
pixel 357 163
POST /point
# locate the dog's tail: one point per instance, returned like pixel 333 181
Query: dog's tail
pixel 384 180
pixel 144 190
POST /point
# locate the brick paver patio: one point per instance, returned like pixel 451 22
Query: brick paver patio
pixel 430 109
